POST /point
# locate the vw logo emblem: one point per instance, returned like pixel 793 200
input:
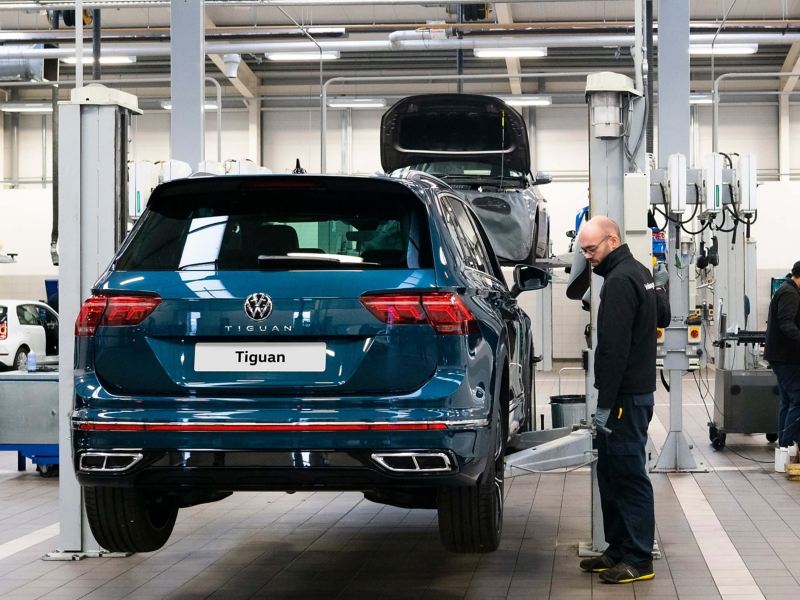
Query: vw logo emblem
pixel 258 306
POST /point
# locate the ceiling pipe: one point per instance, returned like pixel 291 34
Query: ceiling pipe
pixel 63 4
pixel 264 31
pixel 400 43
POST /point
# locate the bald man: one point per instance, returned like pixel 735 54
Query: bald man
pixel 625 378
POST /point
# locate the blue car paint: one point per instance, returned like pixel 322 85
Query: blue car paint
pixel 131 374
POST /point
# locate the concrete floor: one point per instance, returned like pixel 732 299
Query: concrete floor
pixel 733 532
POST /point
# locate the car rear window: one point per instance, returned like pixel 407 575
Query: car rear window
pixel 257 227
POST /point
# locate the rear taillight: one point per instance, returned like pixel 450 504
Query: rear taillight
pixel 113 311
pixel 446 311
pixel 3 331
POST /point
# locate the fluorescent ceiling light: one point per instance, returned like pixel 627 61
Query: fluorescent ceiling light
pixel 509 52
pixel 350 102
pixel 311 55
pixel 700 99
pixel 167 105
pixel 722 49
pixel 104 60
pixel 326 30
pixel 27 107
pixel 527 100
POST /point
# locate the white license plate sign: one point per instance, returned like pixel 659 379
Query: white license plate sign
pixel 255 358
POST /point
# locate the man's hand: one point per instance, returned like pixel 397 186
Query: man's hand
pixel 661 278
pixel 601 418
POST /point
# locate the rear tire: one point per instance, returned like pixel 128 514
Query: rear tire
pixel 128 520
pixel 471 518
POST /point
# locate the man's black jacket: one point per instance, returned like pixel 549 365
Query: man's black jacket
pixel 625 357
pixel 783 325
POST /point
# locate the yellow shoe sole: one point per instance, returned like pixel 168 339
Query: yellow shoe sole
pixel 631 580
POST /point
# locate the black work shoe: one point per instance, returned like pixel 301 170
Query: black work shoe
pixel 625 573
pixel 597 564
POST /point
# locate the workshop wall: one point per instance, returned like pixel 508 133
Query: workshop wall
pixel 560 144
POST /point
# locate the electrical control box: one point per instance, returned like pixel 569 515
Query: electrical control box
pixel 244 167
pixel 142 179
pixel 676 183
pixel 747 183
pixel 712 182
pixel 173 169
pixel 212 167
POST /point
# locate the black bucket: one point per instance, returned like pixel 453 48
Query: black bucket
pixel 568 410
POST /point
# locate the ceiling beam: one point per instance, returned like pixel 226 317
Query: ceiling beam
pixel 505 16
pixel 246 81
pixel 791 64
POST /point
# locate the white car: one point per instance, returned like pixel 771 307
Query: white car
pixel 27 325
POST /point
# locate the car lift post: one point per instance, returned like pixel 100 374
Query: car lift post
pixel 93 220
pixel 608 166
pixel 673 127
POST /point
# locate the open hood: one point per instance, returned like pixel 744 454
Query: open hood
pixel 454 127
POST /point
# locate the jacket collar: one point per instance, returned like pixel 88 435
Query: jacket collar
pixel 612 260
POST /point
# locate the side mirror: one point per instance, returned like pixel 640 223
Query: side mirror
pixel 542 178
pixel 528 278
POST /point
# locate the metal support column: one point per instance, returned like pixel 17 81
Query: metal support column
pixel 784 138
pixel 92 213
pixel 254 130
pixel 673 137
pixel 187 67
pixel 607 167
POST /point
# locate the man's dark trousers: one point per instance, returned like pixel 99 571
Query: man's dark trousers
pixel 788 376
pixel 626 493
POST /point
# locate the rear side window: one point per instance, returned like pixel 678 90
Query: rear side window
pixel 251 229
pixel 466 236
pixel 27 315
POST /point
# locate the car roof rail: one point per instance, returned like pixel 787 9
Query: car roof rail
pixel 410 174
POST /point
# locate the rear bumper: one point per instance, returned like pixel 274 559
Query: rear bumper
pixel 302 470
pixel 258 443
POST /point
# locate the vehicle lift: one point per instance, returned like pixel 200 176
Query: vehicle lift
pixel 621 193
pixel 93 220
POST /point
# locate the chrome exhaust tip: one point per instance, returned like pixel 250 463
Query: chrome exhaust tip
pixel 108 462
pixel 414 462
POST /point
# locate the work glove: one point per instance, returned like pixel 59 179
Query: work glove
pixel 601 418
pixel 661 277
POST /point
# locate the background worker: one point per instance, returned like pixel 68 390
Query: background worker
pixel 782 351
pixel 625 378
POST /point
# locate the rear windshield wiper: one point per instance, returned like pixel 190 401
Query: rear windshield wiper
pixel 212 263
pixel 484 178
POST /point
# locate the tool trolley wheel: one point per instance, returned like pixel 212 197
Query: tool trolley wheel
pixel 772 438
pixel 718 443
pixel 712 432
pixel 47 470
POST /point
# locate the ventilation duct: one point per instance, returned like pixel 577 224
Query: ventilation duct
pixel 13 68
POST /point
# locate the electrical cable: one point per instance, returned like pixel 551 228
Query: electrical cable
pixel 663 380
pixel 750 458
pixel 677 221
pixel 666 222
pixel 631 156
pixel 721 226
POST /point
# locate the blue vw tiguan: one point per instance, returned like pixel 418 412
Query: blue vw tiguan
pixel 300 332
